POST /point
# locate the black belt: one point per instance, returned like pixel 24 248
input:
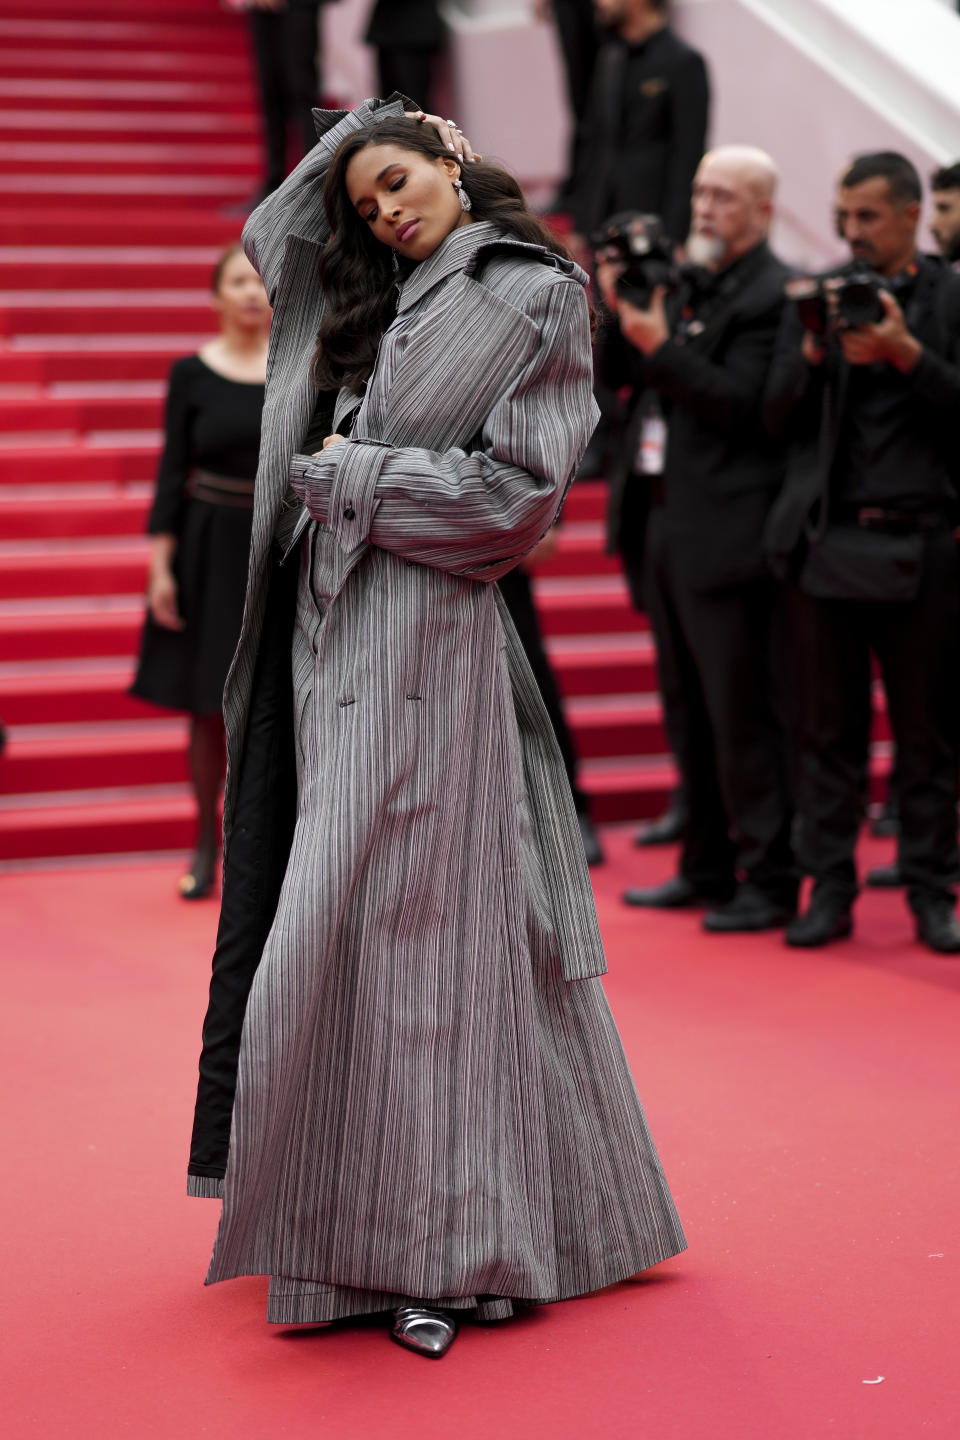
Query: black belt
pixel 894 522
pixel 220 490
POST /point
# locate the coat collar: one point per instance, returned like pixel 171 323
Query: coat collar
pixel 464 250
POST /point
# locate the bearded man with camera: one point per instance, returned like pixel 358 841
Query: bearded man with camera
pixel 866 387
pixel 704 352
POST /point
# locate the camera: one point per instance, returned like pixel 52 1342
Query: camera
pixel 841 302
pixel 639 243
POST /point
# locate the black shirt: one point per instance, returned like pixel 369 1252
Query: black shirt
pixel 213 424
pixel 886 451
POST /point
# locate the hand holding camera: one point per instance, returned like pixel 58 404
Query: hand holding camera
pixel 636 271
pixel 856 312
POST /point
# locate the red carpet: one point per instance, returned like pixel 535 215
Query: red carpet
pixel 806 1106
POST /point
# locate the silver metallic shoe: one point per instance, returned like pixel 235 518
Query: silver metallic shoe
pixel 427 1332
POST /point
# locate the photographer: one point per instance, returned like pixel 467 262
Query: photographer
pixel 705 351
pixel 863 529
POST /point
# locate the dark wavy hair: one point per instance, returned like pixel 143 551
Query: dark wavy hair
pixel 357 271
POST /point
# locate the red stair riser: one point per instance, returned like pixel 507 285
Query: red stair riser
pixel 40 577
pixel 45 834
pixel 53 413
pixel 65 519
pixel 105 275
pixel 43 466
pixel 107 320
pixel 52 638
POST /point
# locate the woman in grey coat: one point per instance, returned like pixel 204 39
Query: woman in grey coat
pixel 433 1115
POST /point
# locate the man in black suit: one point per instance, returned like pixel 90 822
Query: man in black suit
pixel 864 528
pixel 286 45
pixel 645 125
pixel 408 36
pixel 705 353
pixel 641 139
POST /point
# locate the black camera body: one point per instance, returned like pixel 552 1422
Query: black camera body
pixel 828 307
pixel 641 244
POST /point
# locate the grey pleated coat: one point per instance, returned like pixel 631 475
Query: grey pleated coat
pixel 432 1101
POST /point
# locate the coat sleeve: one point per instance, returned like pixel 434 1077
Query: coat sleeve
pixel 473 513
pixel 296 208
pixel 166 512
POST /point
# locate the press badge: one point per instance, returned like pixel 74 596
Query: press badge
pixel 651 446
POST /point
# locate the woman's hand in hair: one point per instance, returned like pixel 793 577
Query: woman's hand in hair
pixel 451 135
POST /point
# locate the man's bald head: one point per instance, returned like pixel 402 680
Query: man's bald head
pixel 733 193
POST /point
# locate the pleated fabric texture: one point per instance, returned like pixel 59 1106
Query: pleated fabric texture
pixel 432 1099
pixel 426 1108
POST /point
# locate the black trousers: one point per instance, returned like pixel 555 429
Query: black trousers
pixel 722 649
pixel 669 684
pixel 577 32
pixel 412 71
pixel 916 646
pixel 517 591
pixel 286 45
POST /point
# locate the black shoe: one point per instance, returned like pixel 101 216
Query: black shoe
pixel 884 877
pixel 937 925
pixel 667 829
pixel 197 883
pixel 827 917
pixel 675 894
pixel 591 843
pixel 750 909
pixel 427 1332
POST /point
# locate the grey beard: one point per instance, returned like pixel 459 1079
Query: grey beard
pixel 704 250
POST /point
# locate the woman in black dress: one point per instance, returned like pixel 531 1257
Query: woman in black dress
pixel 200 523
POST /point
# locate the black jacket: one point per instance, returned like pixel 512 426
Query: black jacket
pixel 643 134
pixel 722 470
pixel 406 25
pixel 795 410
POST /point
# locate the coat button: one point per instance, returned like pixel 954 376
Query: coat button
pixel 349 513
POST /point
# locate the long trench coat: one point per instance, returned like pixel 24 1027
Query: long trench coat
pixel 406 911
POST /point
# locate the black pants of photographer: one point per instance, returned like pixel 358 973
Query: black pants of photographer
pixel 286 45
pixel 916 646
pixel 518 593
pixel 722 647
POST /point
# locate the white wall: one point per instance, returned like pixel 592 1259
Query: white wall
pixel 816 81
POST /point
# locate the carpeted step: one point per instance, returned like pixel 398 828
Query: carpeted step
pixel 140 159
pixel 37 196
pixel 91 223
pixel 107 312
pixel 94 756
pixel 118 267
pixel 222 35
pixel 69 568
pixel 142 358
pixel 68 462
pixel 46 692
pixel 23 57
pixel 28 92
pixel 147 818
pixel 93 126
pixel 59 413
pixel 88 628
pixel 45 512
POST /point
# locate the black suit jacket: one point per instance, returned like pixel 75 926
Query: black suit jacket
pixel 643 134
pixel 406 25
pixel 722 470
pixel 796 413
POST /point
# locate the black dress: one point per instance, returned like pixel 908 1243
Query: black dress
pixel 204 497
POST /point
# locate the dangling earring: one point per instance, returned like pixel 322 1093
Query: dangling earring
pixel 395 260
pixel 465 202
